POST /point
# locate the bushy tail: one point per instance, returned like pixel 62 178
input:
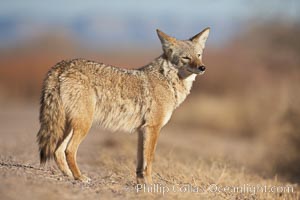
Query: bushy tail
pixel 52 120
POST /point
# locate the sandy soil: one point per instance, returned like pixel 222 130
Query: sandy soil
pixel 183 157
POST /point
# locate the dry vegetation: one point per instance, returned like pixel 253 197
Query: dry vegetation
pixel 239 126
pixel 109 159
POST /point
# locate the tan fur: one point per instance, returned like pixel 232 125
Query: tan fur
pixel 78 92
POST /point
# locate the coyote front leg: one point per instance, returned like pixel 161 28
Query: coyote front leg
pixel 147 140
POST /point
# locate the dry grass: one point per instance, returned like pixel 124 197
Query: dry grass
pixel 182 159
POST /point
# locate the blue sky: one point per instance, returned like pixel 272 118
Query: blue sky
pixel 133 21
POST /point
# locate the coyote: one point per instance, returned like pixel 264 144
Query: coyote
pixel 78 92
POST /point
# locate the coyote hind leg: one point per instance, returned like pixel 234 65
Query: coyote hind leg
pixel 60 155
pixel 80 129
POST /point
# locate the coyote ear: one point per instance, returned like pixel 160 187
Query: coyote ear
pixel 201 37
pixel 167 41
pixel 164 38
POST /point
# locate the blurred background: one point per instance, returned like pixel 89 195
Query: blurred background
pixel 245 108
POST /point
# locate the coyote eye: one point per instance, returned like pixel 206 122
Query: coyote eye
pixel 199 55
pixel 186 58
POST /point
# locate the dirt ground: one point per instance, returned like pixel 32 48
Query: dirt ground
pixel 186 165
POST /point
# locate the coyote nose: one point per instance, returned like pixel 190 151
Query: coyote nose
pixel 202 68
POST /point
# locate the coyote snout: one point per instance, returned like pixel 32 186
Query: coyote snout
pixel 197 69
pixel 77 92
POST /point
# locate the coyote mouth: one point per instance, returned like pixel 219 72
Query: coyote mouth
pixel 197 71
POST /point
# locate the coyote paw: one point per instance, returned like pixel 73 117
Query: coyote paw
pixel 140 180
pixel 144 180
pixel 84 179
pixel 68 174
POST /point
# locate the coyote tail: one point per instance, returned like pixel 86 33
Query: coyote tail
pixel 52 119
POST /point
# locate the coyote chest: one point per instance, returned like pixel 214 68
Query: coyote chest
pixel 184 88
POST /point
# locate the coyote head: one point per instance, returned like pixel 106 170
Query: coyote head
pixel 185 55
